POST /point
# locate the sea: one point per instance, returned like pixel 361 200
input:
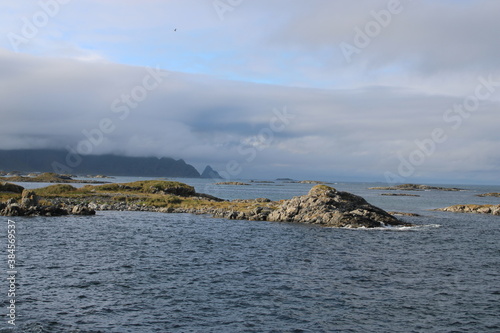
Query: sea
pixel 153 272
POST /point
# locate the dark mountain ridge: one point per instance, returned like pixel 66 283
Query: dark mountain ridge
pixel 59 161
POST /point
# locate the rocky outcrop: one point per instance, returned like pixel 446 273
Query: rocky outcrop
pixel 82 210
pixel 497 195
pixel 399 195
pixel 232 183
pixel 477 209
pixel 326 206
pixel 415 187
pixel 29 199
pixel 30 206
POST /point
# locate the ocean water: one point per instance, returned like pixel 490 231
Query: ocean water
pixel 152 272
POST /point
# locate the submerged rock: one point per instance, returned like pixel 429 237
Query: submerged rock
pixel 326 206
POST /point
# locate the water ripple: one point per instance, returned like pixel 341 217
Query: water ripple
pixel 145 272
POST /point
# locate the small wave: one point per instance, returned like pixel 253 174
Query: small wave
pixel 398 228
pixel 413 227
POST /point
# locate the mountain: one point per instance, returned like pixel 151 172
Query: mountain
pixel 210 173
pixel 43 160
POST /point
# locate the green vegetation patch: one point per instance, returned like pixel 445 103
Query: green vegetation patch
pixel 7 196
pixel 149 186
pixel 65 191
pixel 55 190
pixel 162 201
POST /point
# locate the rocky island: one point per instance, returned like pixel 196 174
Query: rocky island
pixel 49 177
pixel 399 195
pixel 415 187
pixel 323 205
pixel 232 183
pixel 477 209
pixel 496 195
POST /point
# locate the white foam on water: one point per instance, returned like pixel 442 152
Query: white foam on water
pixel 397 228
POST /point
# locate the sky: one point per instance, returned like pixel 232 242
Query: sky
pixel 390 91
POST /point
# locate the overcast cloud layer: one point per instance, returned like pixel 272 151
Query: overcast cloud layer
pixel 339 90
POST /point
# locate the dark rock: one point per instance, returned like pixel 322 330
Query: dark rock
pixel 11 188
pixel 12 209
pixel 404 214
pixel 11 201
pixel 208 197
pixel 54 210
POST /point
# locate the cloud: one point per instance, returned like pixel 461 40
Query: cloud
pixel 52 103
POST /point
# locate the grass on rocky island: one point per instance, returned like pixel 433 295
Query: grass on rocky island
pixel 151 193
pixel 6 196
pixel 47 177
pixel 56 190
pixel 147 186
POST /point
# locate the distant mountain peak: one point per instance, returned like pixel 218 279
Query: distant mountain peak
pixel 210 173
